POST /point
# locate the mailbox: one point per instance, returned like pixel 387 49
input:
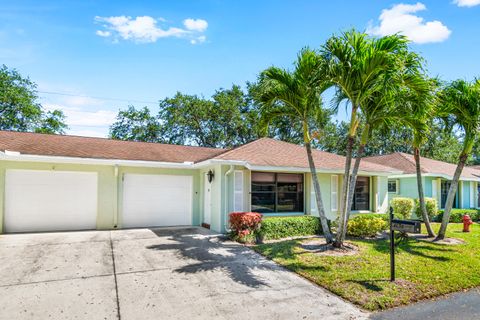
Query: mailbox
pixel 409 226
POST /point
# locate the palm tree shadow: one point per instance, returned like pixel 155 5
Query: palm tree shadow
pixel 205 252
pixel 369 284
pixel 420 249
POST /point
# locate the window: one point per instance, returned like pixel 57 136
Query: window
pixel 445 187
pixel 478 194
pixel 277 192
pixel 392 186
pixel 361 195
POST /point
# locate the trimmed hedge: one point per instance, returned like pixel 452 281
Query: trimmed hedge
pixel 456 215
pixel 364 226
pixel 431 204
pixel 283 227
pixel 402 207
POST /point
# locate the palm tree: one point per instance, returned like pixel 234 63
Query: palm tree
pixel 460 101
pixel 419 108
pixel 297 95
pixel 359 67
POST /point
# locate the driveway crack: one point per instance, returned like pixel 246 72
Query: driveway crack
pixel 115 277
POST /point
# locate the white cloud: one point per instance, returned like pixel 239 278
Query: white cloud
pixel 200 39
pixel 145 29
pixel 467 3
pixel 76 116
pixel 102 33
pixel 195 24
pixel 401 19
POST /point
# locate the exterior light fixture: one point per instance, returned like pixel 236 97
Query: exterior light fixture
pixel 210 176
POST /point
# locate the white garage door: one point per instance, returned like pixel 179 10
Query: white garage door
pixel 50 200
pixel 156 200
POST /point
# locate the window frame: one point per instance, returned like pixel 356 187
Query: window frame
pixel 276 192
pixel 369 191
pixel 396 181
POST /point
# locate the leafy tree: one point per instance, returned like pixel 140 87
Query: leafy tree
pixel 19 108
pixel 136 125
pixel 460 101
pixel 223 121
pixel 296 95
pixel 52 122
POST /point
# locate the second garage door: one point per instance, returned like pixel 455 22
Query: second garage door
pixel 156 200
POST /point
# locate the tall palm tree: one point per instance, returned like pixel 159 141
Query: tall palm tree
pixel 460 100
pixel 297 95
pixel 358 66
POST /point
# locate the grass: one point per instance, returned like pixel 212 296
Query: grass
pixel 424 270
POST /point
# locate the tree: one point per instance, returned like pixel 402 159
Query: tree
pixel 19 109
pixel 418 107
pixel 52 122
pixel 297 95
pixel 360 67
pixel 460 102
pixel 226 120
pixel 136 125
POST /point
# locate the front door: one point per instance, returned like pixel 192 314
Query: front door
pixel 207 202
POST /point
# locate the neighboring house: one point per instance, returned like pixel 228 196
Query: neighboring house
pixel 58 182
pixel 436 180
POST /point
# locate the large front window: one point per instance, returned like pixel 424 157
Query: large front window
pixel 361 196
pixel 277 192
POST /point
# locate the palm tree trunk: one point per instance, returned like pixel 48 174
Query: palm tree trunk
pixel 421 195
pixel 342 220
pixel 451 196
pixel 318 195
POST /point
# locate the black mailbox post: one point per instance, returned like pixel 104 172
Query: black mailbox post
pixel 407 226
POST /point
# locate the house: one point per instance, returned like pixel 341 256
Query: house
pixel 436 177
pixel 59 182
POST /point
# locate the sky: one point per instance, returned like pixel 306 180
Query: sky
pixel 92 58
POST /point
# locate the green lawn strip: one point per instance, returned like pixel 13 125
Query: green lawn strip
pixel 424 270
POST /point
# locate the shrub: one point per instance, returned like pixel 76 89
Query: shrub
pixel 402 207
pixel 244 225
pixel 456 215
pixel 283 227
pixel 363 226
pixel 432 210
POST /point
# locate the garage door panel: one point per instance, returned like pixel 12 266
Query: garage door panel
pixel 156 200
pixel 50 200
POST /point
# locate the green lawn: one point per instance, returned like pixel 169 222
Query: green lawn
pixel 424 270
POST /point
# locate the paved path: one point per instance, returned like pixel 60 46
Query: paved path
pixel 462 306
pixel 152 274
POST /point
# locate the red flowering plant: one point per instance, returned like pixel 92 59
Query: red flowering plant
pixel 244 225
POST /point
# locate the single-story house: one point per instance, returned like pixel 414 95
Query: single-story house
pixel 436 177
pixel 60 182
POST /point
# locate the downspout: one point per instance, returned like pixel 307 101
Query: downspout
pixel 226 198
pixel 115 208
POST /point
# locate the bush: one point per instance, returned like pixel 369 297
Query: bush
pixel 363 226
pixel 432 208
pixel 456 215
pixel 244 225
pixel 283 227
pixel 402 207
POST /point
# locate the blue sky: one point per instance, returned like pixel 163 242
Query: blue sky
pixel 142 51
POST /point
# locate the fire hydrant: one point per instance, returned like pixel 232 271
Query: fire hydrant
pixel 467 221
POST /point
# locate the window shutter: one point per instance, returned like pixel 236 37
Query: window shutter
pixel 472 194
pixel 434 189
pixel 334 192
pixel 238 191
pixel 313 199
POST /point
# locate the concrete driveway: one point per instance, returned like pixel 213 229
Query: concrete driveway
pixel 152 274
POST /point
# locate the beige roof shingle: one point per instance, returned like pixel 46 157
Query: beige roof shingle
pixel 101 148
pixel 275 153
pixel 406 163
